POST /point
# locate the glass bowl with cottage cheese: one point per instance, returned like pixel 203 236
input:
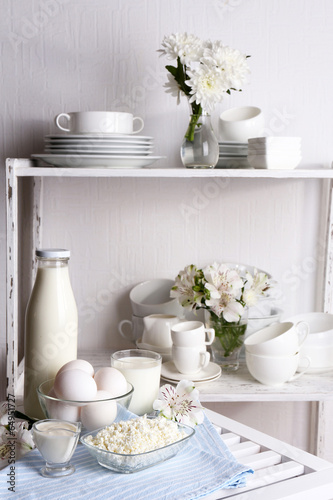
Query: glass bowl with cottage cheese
pixel 132 445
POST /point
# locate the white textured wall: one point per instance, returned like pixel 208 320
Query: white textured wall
pixel 70 55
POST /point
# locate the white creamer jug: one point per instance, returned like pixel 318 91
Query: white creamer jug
pixel 51 325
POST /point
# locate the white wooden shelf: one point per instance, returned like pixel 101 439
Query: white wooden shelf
pixel 32 168
pixel 231 387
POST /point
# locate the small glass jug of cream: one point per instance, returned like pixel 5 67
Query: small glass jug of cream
pixel 56 441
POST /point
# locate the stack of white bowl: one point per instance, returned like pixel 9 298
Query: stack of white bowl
pixel 274 152
pixel 272 354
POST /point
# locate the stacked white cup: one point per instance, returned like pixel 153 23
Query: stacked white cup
pixel 189 346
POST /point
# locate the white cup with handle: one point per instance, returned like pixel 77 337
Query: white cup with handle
pixel 190 360
pixel 191 333
pixel 98 122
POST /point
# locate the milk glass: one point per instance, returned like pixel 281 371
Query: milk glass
pixel 143 370
pixel 51 325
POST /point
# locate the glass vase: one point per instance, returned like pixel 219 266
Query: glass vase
pixel 200 147
pixel 228 342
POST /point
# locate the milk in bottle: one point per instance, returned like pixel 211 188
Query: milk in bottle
pixel 51 325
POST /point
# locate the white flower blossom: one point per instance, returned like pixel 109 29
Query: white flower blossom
pixel 205 70
pixel 183 290
pixel 187 47
pixel 220 289
pixel 208 86
pixel 180 404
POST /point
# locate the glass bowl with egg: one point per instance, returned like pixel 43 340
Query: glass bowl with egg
pixel 94 399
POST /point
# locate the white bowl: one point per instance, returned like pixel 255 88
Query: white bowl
pixel 279 162
pixel 238 124
pixel 275 141
pixel 272 370
pixel 153 297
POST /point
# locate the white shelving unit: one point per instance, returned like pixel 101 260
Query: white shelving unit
pixel 238 386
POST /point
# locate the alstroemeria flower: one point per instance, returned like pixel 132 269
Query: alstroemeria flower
pixel 180 404
pixel 188 288
pixel 256 285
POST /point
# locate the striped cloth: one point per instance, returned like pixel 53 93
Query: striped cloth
pixel 202 467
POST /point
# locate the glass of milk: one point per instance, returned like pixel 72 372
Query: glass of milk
pixel 143 370
pixel 56 441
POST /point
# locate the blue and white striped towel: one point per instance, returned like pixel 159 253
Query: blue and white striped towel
pixel 202 467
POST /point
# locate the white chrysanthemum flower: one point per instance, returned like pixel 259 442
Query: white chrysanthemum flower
pixel 231 61
pixel 208 86
pixel 180 404
pixel 187 47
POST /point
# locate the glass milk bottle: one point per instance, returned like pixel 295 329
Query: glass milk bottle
pixel 51 325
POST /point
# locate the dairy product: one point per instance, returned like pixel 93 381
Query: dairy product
pixel 144 374
pixel 51 325
pixel 136 436
pixel 56 440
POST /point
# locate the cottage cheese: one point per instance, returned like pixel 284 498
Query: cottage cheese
pixel 138 435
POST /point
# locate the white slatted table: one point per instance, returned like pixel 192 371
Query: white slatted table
pixel 281 471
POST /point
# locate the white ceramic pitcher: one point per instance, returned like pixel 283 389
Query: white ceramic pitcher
pixel 157 329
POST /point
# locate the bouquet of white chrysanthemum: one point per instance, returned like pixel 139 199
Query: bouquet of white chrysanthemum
pixel 205 71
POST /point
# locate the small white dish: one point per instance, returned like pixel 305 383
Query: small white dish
pixel 274 162
pixel 210 372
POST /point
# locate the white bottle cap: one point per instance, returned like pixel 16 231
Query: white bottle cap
pixel 53 253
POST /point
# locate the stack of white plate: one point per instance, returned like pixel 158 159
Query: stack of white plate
pixel 233 155
pixel 274 152
pixel 98 150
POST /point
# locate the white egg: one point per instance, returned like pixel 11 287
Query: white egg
pixel 78 364
pixel 99 414
pixel 75 385
pixel 112 380
pixel 62 411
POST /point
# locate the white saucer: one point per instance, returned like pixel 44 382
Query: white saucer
pixel 170 373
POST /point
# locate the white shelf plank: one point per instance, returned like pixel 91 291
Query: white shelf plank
pixel 29 168
pixel 240 386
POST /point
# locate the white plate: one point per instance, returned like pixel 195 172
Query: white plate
pixel 101 143
pixel 233 143
pixel 99 137
pixel 88 161
pixel 110 152
pixel 98 145
pixel 211 372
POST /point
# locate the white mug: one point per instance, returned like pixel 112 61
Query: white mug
pixel 190 360
pixel 157 329
pixel 98 122
pixel 191 333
